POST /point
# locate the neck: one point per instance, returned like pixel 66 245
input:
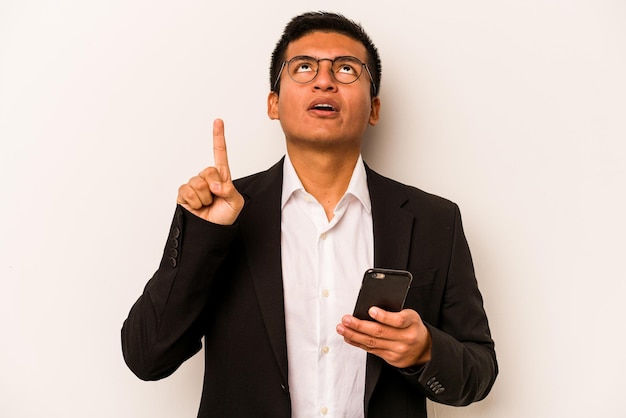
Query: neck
pixel 325 176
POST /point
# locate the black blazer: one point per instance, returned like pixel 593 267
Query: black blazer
pixel 224 284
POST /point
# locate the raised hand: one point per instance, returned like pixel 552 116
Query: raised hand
pixel 211 195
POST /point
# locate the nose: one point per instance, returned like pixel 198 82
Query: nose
pixel 325 80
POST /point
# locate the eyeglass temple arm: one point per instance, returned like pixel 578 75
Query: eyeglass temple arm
pixel 280 72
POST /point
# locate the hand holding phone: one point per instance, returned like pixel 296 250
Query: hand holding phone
pixel 384 288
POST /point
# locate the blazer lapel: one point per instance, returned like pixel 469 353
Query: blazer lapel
pixel 261 223
pixel 393 228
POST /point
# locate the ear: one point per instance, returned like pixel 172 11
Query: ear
pixel 272 106
pixel 375 111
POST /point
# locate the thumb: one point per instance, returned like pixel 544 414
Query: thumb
pixel 227 191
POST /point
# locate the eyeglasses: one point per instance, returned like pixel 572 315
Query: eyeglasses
pixel 303 69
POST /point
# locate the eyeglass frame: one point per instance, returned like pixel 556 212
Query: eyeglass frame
pixel 332 61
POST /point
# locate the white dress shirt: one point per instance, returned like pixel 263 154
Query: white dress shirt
pixel 323 264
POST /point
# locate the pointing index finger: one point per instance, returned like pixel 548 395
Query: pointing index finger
pixel 220 156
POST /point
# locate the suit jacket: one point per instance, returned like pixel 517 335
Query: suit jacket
pixel 223 284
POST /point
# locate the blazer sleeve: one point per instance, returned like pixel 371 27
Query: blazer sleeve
pixel 463 365
pixel 164 326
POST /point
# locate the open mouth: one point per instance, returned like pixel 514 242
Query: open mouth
pixel 325 107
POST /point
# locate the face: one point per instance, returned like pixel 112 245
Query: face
pixel 324 112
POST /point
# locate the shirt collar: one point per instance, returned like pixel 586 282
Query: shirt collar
pixel 357 187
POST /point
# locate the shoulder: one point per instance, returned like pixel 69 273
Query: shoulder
pixel 411 198
pixel 272 177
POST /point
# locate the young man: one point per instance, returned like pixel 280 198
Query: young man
pixel 267 268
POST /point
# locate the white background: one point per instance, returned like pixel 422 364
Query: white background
pixel 515 110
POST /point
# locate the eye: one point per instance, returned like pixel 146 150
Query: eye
pixel 347 66
pixel 303 65
pixel 346 69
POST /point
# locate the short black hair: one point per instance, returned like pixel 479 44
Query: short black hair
pixel 307 23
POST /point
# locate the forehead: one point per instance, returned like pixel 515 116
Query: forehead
pixel 326 45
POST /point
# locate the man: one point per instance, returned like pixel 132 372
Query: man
pixel 267 268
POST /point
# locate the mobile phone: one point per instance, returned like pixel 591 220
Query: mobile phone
pixel 384 288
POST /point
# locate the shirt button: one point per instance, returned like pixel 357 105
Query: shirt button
pixel 325 349
pixel 324 411
pixel 325 293
pixel 323 236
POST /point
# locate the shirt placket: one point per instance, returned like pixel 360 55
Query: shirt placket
pixel 326 293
